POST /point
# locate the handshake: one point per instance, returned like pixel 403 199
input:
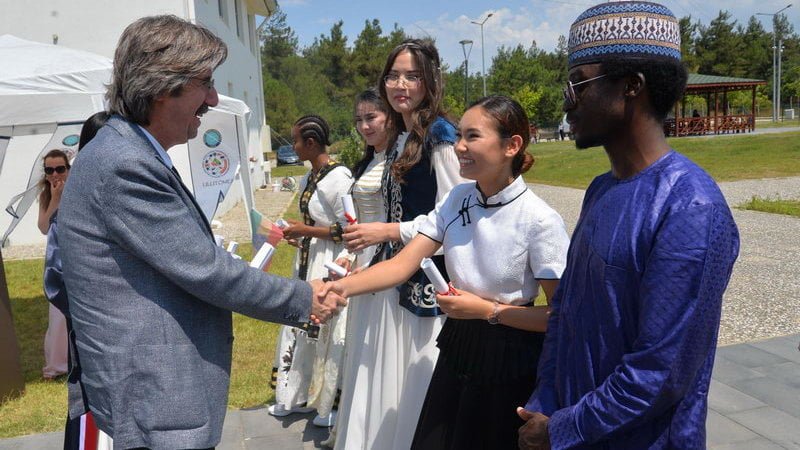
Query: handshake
pixel 328 297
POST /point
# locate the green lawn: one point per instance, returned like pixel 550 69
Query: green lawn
pixel 279 172
pixel 726 158
pixel 42 408
pixel 774 206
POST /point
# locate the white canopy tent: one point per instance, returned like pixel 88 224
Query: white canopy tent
pixel 47 91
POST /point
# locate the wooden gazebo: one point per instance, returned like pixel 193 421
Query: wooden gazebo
pixel 718 119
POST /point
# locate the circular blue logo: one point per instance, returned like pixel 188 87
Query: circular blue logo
pixel 71 140
pixel 212 138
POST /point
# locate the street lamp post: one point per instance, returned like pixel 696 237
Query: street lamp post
pixel 483 58
pixel 464 44
pixel 776 77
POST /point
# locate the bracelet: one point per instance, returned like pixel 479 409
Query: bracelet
pixel 336 232
pixel 494 319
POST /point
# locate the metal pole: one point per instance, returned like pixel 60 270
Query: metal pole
pixel 483 57
pixel 464 43
pixel 466 82
pixel 775 63
pixel 483 63
pixel 780 51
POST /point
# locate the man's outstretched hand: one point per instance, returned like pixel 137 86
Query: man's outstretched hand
pixel 324 307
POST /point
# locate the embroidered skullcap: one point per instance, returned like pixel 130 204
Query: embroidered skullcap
pixel 629 30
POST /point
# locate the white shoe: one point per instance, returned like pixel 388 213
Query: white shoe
pixel 326 421
pixel 278 410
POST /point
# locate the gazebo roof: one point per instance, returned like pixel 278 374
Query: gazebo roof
pixel 708 83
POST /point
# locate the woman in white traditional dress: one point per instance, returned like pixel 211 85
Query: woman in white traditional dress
pixel 392 349
pixel 306 369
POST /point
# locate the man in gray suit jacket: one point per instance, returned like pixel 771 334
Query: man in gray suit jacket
pixel 150 294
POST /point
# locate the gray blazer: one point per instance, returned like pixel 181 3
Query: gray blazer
pixel 151 296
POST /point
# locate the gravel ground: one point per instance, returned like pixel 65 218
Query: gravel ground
pixel 763 297
pixel 762 300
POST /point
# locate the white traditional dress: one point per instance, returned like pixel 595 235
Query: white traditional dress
pixel 306 370
pixel 391 351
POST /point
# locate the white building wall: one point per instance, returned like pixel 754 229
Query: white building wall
pixel 95 26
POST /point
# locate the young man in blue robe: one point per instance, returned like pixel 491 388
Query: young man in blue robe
pixel 631 339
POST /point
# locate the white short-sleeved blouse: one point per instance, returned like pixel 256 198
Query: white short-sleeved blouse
pixel 498 247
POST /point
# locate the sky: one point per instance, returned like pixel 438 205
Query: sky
pixel 513 21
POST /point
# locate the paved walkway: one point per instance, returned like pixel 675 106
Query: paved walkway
pixel 754 399
pixel 754 403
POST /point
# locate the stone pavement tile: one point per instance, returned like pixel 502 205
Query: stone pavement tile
pixel 726 400
pixel 726 370
pixel 787 373
pixel 721 430
pixel 784 346
pixel 258 424
pixel 772 392
pixel 749 356
pixel 776 425
pixel 44 441
pixel 232 432
pixel 755 444
pixel 278 441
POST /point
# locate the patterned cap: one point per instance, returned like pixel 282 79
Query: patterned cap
pixel 631 30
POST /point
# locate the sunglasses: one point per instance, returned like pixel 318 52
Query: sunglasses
pixel 570 97
pixel 56 169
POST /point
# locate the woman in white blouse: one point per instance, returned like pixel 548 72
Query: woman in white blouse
pixel 306 370
pixel 501 242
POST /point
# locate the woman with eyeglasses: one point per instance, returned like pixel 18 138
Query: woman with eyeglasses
pixel 56 171
pixel 395 360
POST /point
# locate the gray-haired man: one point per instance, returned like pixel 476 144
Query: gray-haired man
pixel 150 294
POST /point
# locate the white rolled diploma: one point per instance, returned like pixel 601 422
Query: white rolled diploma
pixel 281 223
pixel 263 256
pixel 433 274
pixel 337 269
pixel 349 209
pixel 233 246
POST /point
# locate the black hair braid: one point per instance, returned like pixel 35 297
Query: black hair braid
pixel 314 127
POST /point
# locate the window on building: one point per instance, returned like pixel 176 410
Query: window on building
pixel 223 10
pixel 251 31
pixel 238 18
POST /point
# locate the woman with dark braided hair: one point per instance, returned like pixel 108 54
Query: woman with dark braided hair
pixel 306 370
pixel 396 359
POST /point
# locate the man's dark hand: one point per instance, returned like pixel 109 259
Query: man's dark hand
pixel 533 435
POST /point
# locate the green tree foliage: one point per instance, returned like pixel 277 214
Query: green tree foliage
pixel 351 149
pixel 324 77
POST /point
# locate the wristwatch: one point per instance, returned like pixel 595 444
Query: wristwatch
pixel 494 319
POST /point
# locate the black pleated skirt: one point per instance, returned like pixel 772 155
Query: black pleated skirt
pixel 483 374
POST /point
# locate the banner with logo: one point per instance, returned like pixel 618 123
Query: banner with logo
pixel 66 138
pixel 214 160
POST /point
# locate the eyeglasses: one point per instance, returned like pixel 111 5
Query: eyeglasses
pixel 208 83
pixel 570 97
pixel 393 80
pixel 56 169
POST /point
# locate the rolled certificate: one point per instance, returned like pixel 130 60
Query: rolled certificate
pixel 263 256
pixel 349 209
pixel 337 269
pixel 233 246
pixel 281 223
pixel 432 272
